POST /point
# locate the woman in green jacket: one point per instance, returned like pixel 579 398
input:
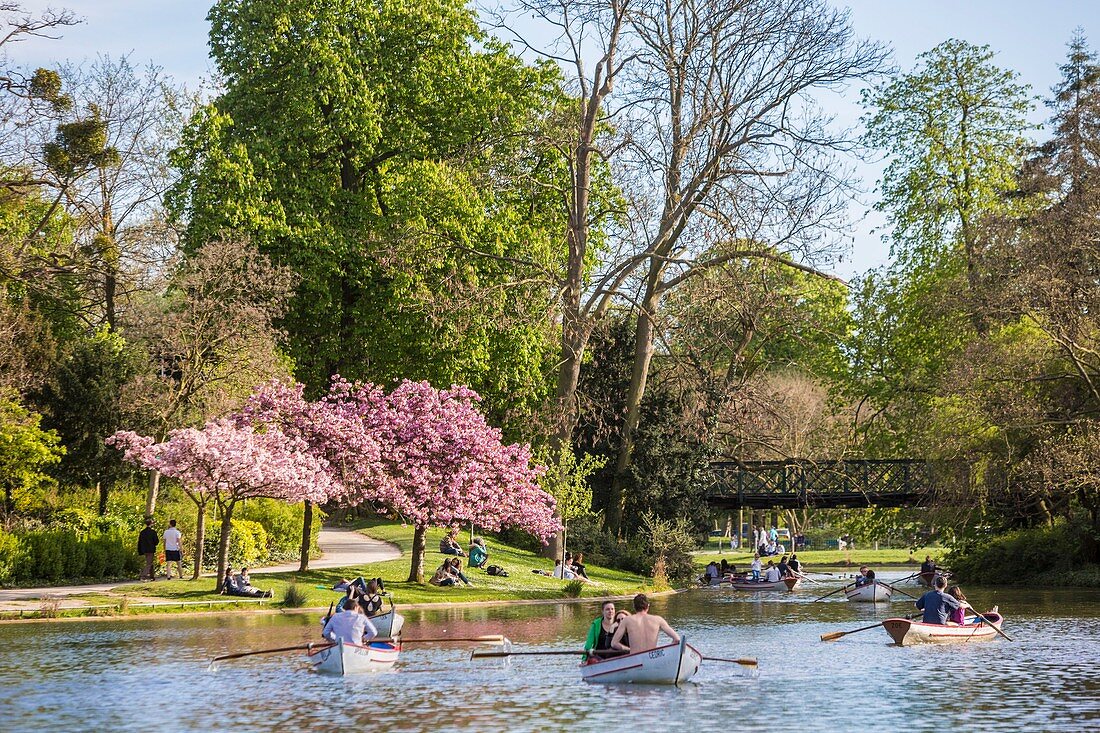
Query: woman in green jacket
pixel 478 554
pixel 602 629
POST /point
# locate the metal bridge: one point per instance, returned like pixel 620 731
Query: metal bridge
pixel 824 484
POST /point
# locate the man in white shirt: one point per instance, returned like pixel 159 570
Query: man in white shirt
pixel 350 626
pixel 172 539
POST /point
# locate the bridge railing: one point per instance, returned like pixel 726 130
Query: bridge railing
pixel 790 483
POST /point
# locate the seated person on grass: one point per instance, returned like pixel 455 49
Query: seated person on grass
pixel 449 544
pixel 443 576
pixel 479 556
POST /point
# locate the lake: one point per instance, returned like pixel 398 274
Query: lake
pixel 153 673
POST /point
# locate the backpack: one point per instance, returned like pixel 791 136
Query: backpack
pixel 497 571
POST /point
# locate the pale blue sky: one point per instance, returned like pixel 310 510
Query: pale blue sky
pixel 1029 36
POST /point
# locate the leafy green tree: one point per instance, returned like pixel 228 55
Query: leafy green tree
pixel 375 148
pixel 953 131
pixel 84 407
pixel 25 451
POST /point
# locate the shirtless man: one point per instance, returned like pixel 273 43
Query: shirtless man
pixel 642 628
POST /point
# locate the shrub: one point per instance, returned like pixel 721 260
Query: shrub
pixel 670 543
pixel 573 588
pixel 283 524
pixel 1038 555
pixel 10 551
pixel 247 543
pixel 294 597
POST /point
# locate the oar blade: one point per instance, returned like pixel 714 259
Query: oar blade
pixel 833 636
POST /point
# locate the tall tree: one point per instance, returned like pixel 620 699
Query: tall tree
pixel 372 147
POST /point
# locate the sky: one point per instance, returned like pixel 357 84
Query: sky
pixel 1028 36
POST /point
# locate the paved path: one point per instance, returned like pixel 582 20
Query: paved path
pixel 339 548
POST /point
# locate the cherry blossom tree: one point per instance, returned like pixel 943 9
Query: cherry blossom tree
pixel 446 466
pixel 337 428
pixel 225 463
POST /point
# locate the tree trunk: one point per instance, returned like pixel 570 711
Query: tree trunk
pixel 102 488
pixel 200 539
pixel 416 572
pixel 643 355
pixel 151 499
pixel 307 526
pixel 223 541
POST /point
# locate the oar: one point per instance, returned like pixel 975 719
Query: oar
pixel 833 593
pixel 807 578
pixel 834 635
pixel 238 655
pixel 491 639
pixel 477 654
pixel 983 618
pixel 899 590
pixel 745 662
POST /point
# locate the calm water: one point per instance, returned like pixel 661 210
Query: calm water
pixel 153 674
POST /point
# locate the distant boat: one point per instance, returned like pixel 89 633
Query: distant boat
pixel 787 584
pixel 873 592
pixel 342 658
pixel 905 632
pixel 665 665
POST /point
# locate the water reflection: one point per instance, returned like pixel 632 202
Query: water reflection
pixel 129 676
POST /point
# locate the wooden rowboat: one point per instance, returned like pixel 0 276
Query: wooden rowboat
pixel 389 623
pixel 665 665
pixel 343 658
pixel 874 592
pixel 787 584
pixel 905 632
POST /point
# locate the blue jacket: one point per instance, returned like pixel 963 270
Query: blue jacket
pixel 937 606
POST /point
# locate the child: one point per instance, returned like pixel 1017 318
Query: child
pixel 958 616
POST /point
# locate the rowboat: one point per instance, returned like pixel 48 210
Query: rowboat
pixel 905 632
pixel 344 658
pixel 388 623
pixel 665 665
pixel 929 578
pixel 874 592
pixel 760 585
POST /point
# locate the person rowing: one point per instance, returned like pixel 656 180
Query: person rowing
pixel 937 605
pixel 862 579
pixel 349 626
pixel 643 628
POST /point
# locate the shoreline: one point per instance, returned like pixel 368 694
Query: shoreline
pixel 322 609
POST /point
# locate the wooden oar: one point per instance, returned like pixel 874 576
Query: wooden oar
pixel 899 590
pixel 983 618
pixel 807 578
pixel 238 655
pixel 745 662
pixel 834 635
pixel 490 639
pixel 477 654
pixel 843 587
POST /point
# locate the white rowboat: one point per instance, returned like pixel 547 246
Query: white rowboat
pixel 905 632
pixel 665 665
pixel 389 623
pixel 343 658
pixel 874 592
pixel 787 584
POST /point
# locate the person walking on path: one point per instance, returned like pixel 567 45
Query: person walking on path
pixel 147 545
pixel 172 550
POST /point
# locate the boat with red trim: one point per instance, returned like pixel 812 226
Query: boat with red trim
pixel 906 632
pixel 665 665
pixel 343 658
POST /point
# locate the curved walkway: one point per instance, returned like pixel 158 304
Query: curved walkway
pixel 339 548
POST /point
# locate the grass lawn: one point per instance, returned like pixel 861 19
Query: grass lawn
pixel 831 558
pixel 521 583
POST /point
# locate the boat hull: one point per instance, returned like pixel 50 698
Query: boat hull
pixel 786 584
pixel 665 665
pixel 343 658
pixel 905 632
pixel 388 624
pixel 871 593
